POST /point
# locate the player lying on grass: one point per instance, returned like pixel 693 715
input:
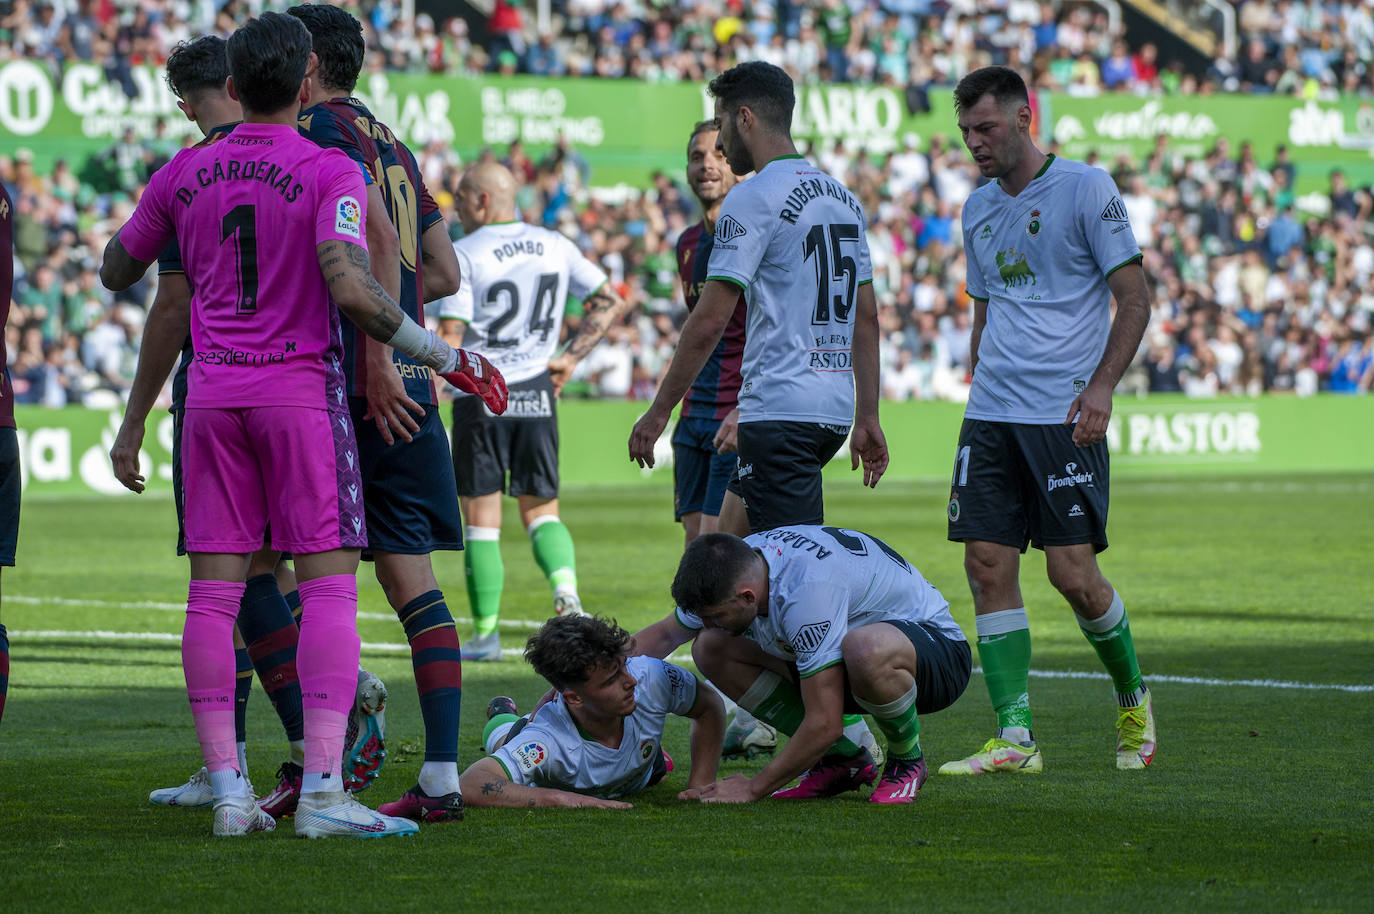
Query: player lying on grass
pixel 803 624
pixel 600 737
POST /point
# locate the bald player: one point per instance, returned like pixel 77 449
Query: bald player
pixel 516 281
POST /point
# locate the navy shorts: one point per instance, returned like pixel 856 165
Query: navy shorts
pixel 700 475
pixel 943 667
pixel 10 485
pixel 1021 485
pixel 523 442
pixel 408 488
pixel 779 471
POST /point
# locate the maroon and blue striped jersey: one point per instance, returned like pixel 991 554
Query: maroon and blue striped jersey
pixel 716 390
pixel 345 123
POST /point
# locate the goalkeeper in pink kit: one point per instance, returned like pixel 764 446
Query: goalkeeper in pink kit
pixel 271 232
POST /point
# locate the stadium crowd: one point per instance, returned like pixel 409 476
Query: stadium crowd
pixel 1249 295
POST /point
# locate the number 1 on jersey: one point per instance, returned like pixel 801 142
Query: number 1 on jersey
pixel 240 224
pixel 833 264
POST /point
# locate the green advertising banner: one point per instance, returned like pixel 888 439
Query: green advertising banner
pixel 1320 135
pixel 64 452
pixel 626 129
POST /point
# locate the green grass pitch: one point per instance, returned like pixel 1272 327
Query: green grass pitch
pixel 1252 605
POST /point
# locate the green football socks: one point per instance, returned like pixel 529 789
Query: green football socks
pixel 898 721
pixel 1110 636
pixel 1004 649
pixel 553 550
pixel 486 576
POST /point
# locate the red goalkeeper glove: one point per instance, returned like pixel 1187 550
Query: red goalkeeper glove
pixel 475 375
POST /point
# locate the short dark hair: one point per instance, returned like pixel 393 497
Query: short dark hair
pixel 1005 85
pixel 709 570
pixel 268 57
pixel 568 649
pixel 700 127
pixel 197 66
pixel 766 89
pixel 338 41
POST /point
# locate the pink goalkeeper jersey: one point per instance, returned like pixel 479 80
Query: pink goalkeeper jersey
pixel 248 212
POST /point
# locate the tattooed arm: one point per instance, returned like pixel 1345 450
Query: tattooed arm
pixel 348 272
pixel 603 309
pixel 486 783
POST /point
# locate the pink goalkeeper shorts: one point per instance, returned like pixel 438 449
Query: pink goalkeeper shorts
pixel 293 466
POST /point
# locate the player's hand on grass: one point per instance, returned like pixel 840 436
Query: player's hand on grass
pixel 124 456
pixel 388 405
pixel 1093 408
pixel 645 435
pixel 560 371
pixel 726 440
pixel 475 375
pixel 868 445
pixel 737 788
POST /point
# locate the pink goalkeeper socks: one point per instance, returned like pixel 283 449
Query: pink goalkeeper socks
pixel 207 659
pixel 327 664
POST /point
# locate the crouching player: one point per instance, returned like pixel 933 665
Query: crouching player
pixel 599 738
pixel 804 624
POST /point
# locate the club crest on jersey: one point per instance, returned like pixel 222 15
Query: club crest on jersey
pixel 348 219
pixel 1033 227
pixel 728 230
pixel 1012 267
pixel 646 749
pixel 1115 211
pixel 530 756
pixel 809 637
pixel 986 232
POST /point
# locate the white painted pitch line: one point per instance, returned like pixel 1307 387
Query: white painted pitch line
pixel 159 637
pixel 682 657
pixel 1206 681
pixel 181 608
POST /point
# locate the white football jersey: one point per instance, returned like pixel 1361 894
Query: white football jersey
pixel 1040 260
pixel 550 752
pixel 515 283
pixel 824 581
pixel 795 240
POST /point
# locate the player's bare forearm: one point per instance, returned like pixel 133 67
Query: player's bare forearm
pixel 484 783
pixel 700 334
pixel 602 309
pixel 440 262
pixel 452 330
pixel 118 268
pixel 707 736
pixel 164 333
pixel 823 698
pixel 864 347
pixel 661 638
pixel 347 271
pixel 1128 329
pixel 703 330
